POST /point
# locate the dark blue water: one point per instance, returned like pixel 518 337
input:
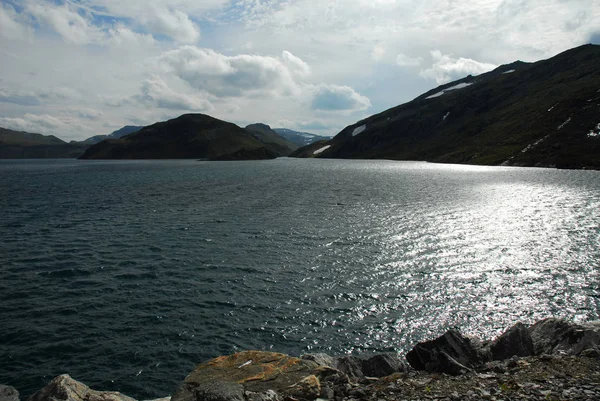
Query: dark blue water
pixel 127 274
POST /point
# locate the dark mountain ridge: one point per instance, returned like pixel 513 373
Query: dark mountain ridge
pixel 121 132
pixel 545 113
pixel 26 145
pixel 266 135
pixel 190 136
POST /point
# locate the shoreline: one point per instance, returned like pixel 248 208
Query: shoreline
pixel 552 359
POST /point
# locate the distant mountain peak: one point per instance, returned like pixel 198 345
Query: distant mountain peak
pixel 298 137
pixel 258 126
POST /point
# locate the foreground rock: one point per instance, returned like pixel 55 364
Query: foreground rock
pixel 455 354
pixel 556 336
pixel 516 341
pixel 65 388
pixel 540 378
pixel 451 353
pixel 8 393
pixel 550 360
pixel 259 376
pixel 359 368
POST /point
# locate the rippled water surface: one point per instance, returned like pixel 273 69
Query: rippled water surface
pixel 127 274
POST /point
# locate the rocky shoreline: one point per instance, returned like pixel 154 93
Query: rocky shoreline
pixel 552 359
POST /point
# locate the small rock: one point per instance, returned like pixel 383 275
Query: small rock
pixel 268 395
pixel 320 359
pixel 350 365
pixel 8 393
pixel 65 388
pixel 308 388
pixel 383 365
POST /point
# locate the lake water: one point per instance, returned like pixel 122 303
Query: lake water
pixel 126 274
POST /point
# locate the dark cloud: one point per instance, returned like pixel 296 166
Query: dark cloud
pixel 21 100
pixel 595 38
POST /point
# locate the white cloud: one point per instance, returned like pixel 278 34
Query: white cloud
pixel 378 52
pixel 120 35
pixel 338 98
pixel 41 123
pixel 10 27
pixel 85 113
pixel 66 21
pixel 156 92
pixel 295 64
pixel 173 23
pixel 78 26
pixel 229 76
pixel 446 68
pixel 138 8
pixel 403 60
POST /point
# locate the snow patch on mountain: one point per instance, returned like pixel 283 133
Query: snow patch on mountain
pixel 533 145
pixel 358 130
pixel 321 150
pixel 563 124
pixel 455 87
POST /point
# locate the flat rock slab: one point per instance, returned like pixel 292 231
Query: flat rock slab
pixel 251 375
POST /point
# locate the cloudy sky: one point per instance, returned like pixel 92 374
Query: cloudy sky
pixel 77 68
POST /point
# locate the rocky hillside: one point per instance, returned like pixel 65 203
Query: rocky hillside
pixel 190 136
pixel 25 145
pixel 524 114
pixel 266 135
pixel 550 360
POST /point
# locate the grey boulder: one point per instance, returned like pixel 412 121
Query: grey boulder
pixel 8 393
pixel 65 388
pixel 516 341
pixel 451 353
pixel 557 336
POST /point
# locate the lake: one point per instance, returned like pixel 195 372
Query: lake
pixel 126 274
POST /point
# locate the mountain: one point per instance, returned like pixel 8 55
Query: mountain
pixel 25 145
pixel 266 135
pixel 545 113
pixel 190 136
pixel 299 138
pixel 126 130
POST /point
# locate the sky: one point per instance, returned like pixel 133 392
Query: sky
pixel 77 68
